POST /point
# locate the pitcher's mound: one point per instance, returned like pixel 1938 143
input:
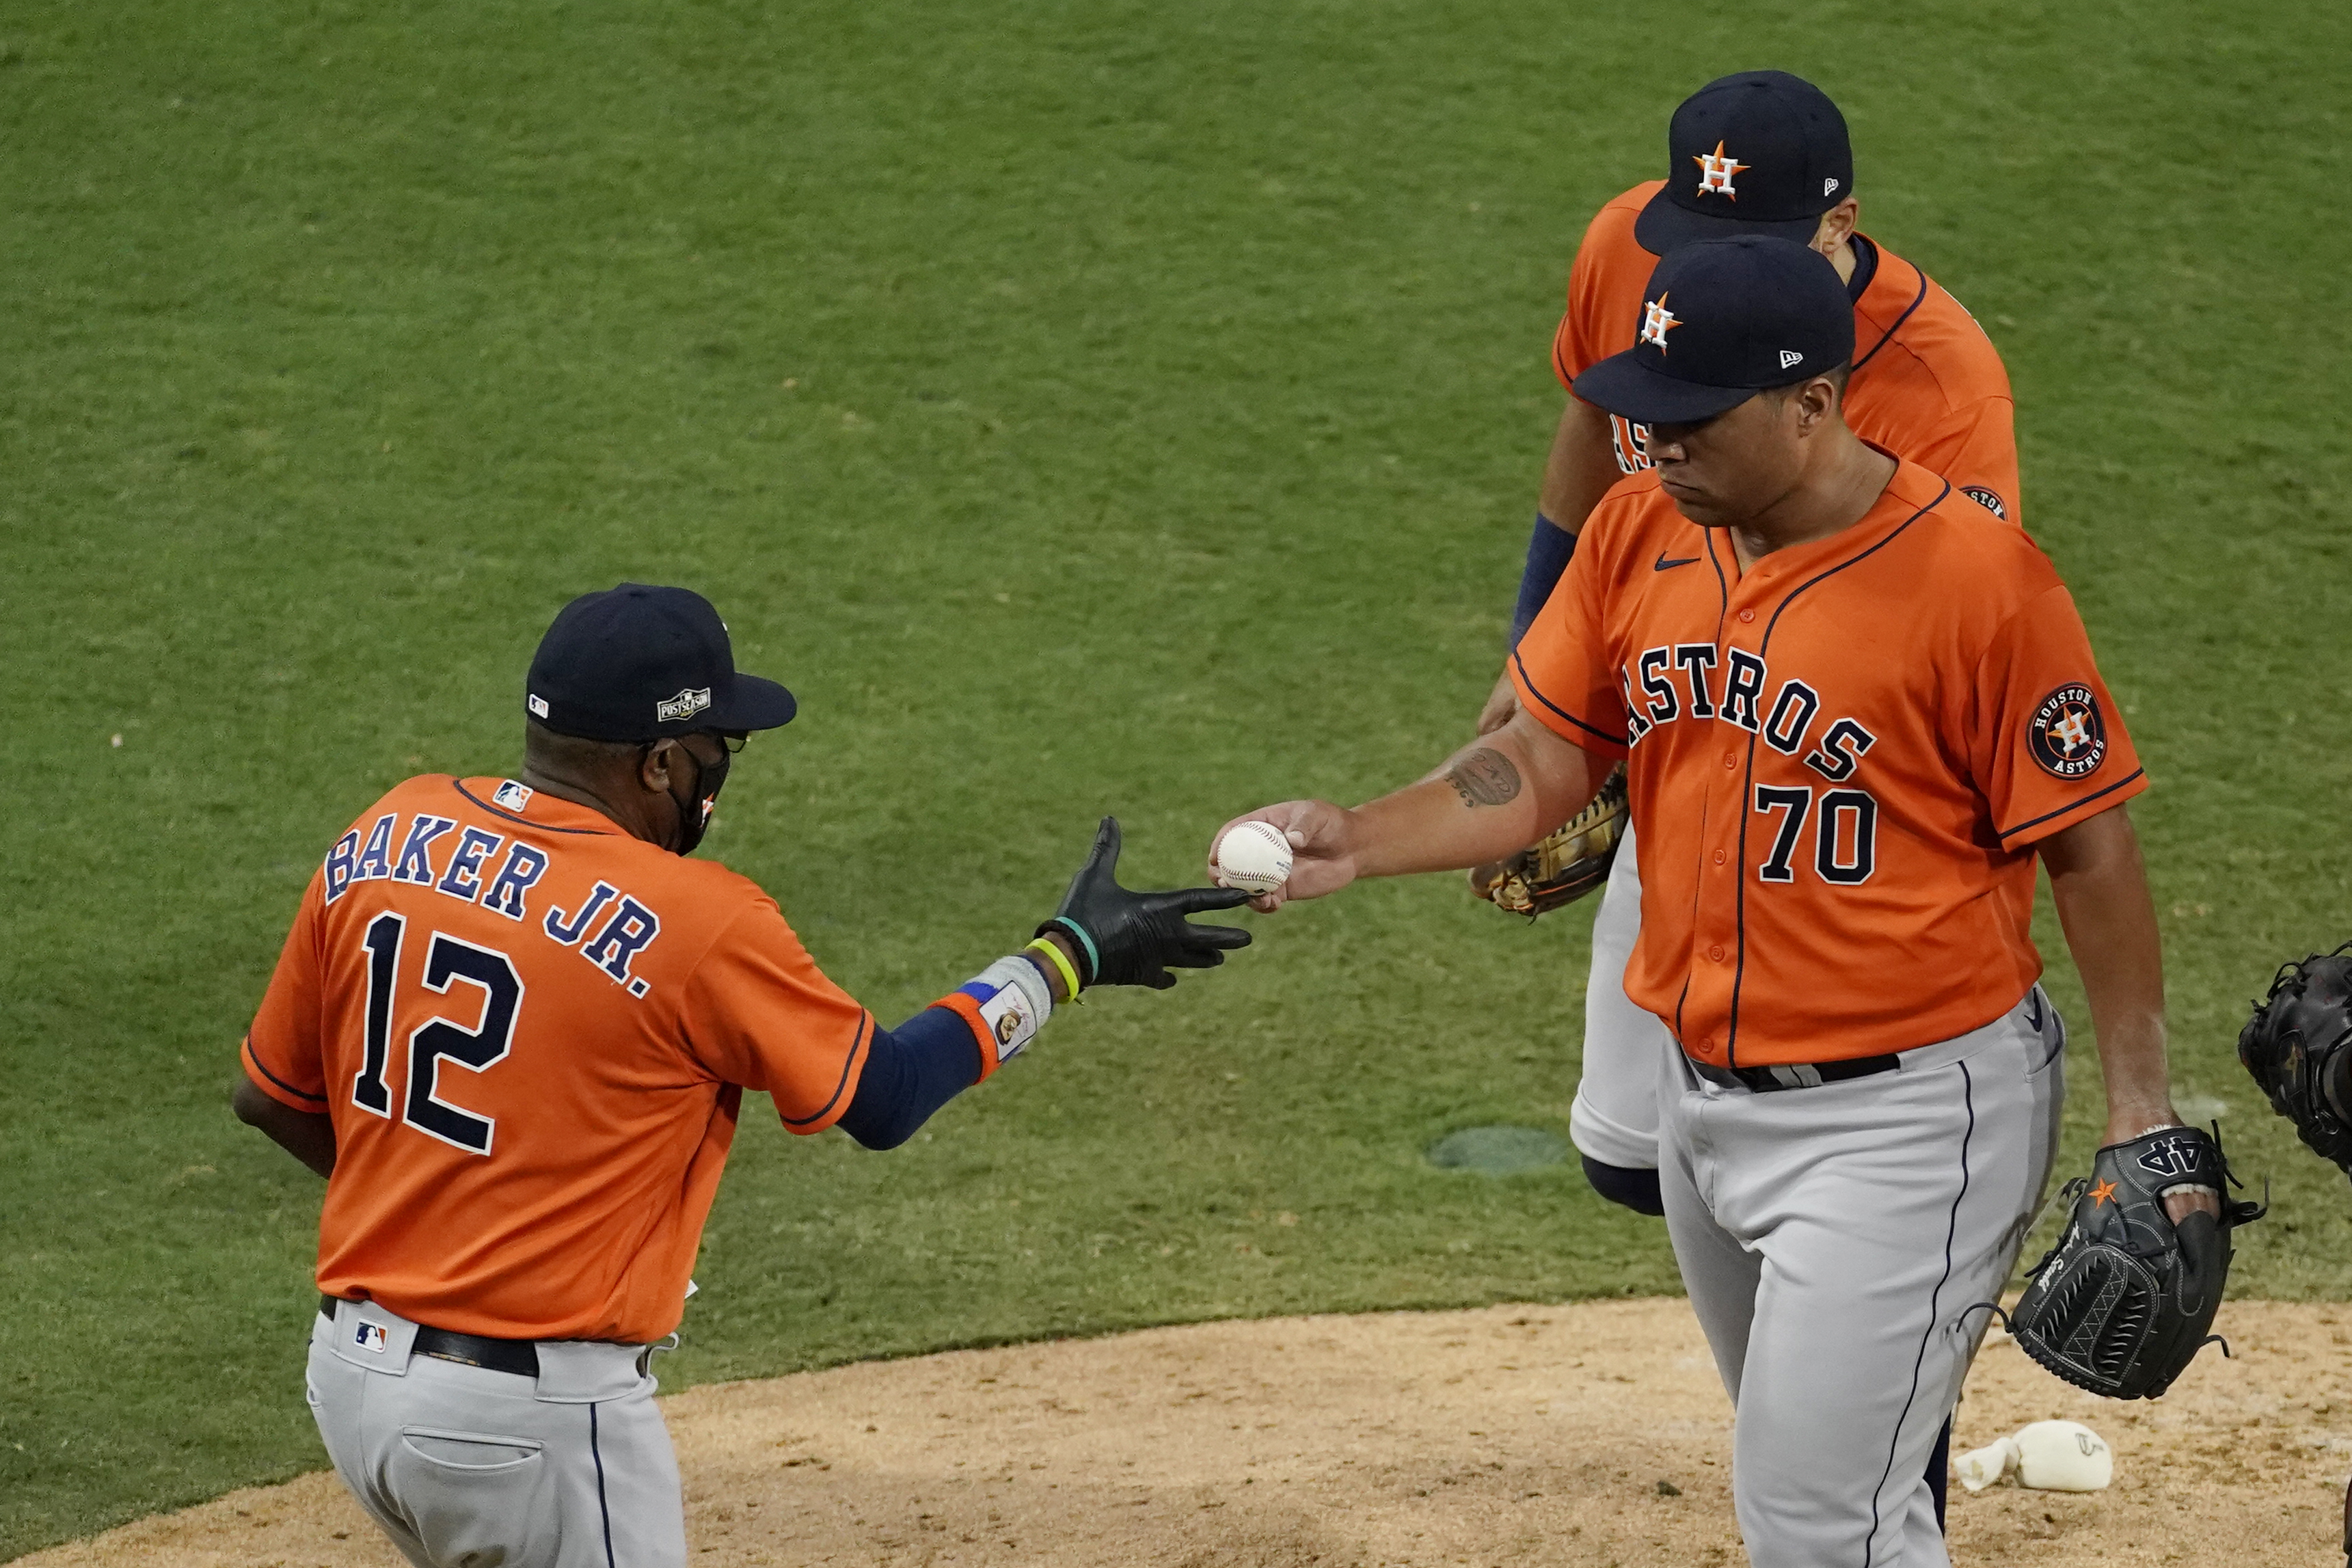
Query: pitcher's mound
pixel 1593 1434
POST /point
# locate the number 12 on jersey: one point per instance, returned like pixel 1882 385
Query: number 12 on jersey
pixel 1845 833
pixel 447 959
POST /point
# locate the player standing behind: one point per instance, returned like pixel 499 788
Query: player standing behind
pixel 513 1027
pixel 1850 724
pixel 1761 153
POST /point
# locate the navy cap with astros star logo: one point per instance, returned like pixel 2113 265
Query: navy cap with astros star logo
pixel 1722 321
pixel 644 663
pixel 1758 152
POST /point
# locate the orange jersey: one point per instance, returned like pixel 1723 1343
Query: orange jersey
pixel 533 1032
pixel 1841 762
pixel 1927 384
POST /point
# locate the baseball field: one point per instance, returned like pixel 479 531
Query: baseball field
pixel 1084 406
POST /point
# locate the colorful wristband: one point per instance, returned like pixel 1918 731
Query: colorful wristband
pixel 1094 958
pixel 1060 960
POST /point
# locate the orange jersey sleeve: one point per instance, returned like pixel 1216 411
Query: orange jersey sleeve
pixel 1604 288
pixel 758 1012
pixel 1563 669
pixel 2051 749
pixel 282 1050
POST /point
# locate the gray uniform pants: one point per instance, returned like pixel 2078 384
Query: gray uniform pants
pixel 1833 1240
pixel 1614 1118
pixel 465 1468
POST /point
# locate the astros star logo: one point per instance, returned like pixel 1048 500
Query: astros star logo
pixel 1715 170
pixel 2072 730
pixel 2102 1192
pixel 1657 322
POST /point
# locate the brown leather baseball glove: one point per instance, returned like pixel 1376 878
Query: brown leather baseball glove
pixel 1569 864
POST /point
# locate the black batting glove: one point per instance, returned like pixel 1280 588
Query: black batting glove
pixel 1134 939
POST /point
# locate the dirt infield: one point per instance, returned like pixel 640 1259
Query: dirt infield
pixel 1593 1434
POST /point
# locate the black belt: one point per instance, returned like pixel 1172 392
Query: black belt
pixel 1797 1075
pixel 519 1357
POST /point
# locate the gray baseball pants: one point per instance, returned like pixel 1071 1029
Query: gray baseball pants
pixel 466 1468
pixel 1614 1117
pixel 1833 1241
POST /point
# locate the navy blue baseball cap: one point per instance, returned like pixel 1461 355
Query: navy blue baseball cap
pixel 640 663
pixel 1758 152
pixel 1722 321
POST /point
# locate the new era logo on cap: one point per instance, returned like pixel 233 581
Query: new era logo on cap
pixel 1789 357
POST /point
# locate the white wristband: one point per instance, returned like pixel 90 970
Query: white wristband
pixel 1014 1003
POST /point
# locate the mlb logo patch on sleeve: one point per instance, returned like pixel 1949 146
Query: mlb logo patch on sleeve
pixel 369 1337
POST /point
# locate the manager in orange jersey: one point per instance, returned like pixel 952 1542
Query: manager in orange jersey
pixel 1853 718
pixel 1765 153
pixel 513 1027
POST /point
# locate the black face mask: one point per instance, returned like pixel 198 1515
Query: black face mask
pixel 694 811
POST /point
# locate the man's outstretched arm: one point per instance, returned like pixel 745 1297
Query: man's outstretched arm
pixel 1498 794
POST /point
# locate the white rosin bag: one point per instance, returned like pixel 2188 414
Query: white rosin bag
pixel 2048 1455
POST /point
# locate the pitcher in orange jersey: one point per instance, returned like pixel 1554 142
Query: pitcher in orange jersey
pixel 1761 153
pixel 1854 708
pixel 513 1027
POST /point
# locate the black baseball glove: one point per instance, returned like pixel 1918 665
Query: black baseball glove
pixel 2125 1301
pixel 2298 1047
pixel 1134 939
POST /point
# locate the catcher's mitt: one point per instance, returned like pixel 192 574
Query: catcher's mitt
pixel 2298 1047
pixel 1563 868
pixel 2123 1303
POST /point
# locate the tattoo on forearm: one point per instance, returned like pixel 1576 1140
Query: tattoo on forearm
pixel 1485 777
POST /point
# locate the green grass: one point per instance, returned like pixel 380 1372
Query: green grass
pixel 1084 406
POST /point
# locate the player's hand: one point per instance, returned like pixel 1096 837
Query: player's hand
pixel 1134 939
pixel 1501 703
pixel 1322 860
pixel 2180 1202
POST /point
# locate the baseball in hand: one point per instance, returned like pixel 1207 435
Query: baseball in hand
pixel 1255 857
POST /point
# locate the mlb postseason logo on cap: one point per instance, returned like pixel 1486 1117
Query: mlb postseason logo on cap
pixel 684 705
pixel 538 706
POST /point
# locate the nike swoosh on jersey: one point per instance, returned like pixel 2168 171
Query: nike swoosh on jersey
pixel 1663 565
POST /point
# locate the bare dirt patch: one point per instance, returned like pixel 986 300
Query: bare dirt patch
pixel 1593 1434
